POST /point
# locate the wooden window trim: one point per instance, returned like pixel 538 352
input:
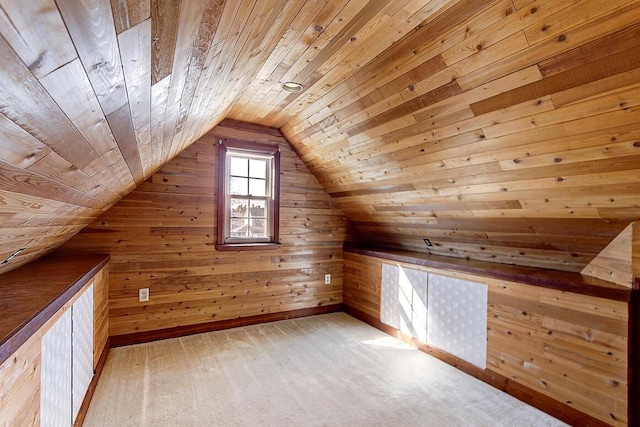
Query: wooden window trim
pixel 256 147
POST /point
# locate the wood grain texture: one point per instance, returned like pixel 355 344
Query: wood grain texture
pixel 164 18
pixel 100 315
pixel 34 295
pixel 40 295
pixel 568 347
pixel 129 13
pixel 504 131
pixel 162 237
pixel 615 262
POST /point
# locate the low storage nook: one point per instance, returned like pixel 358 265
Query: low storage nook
pixel 53 338
pixel 562 342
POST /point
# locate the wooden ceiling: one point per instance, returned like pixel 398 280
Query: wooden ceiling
pixel 504 130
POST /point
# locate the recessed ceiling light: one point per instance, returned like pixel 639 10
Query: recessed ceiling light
pixel 293 87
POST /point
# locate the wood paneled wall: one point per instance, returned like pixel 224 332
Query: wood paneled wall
pixel 505 131
pixel 570 347
pixel 502 130
pixel 162 237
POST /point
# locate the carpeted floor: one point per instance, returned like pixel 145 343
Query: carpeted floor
pixel 329 370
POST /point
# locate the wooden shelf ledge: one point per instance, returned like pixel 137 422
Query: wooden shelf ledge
pixel 31 294
pixel 553 279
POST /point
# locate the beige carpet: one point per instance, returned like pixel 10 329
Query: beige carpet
pixel 329 370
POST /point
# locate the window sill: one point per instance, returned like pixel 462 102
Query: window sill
pixel 247 246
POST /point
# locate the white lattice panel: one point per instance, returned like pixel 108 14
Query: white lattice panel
pixel 403 303
pixel 55 380
pixel 457 318
pixel 82 338
pixel 389 304
pixel 413 290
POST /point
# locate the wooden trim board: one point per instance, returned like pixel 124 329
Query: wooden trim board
pixel 37 291
pixel 553 279
pixel 181 331
pixel 84 408
pixel 634 355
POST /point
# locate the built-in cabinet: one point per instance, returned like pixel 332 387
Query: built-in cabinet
pixel 51 351
pixel 560 341
pixel 67 363
pixel 443 311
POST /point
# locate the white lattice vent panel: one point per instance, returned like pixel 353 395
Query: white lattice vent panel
pixel 82 337
pixel 55 381
pixel 389 302
pixel 403 303
pixel 457 318
pixel 413 291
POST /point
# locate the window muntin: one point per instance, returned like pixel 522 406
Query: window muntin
pixel 248 198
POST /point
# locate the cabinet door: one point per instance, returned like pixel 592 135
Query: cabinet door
pixel 457 318
pixel 82 345
pixel 55 380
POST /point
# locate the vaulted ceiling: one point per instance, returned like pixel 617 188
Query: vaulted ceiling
pixel 503 130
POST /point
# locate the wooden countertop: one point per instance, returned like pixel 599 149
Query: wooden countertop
pixel 31 294
pixel 554 279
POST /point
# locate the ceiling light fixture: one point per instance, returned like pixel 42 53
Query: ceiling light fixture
pixel 292 87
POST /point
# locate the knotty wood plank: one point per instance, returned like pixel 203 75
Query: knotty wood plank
pixel 614 263
pixel 609 45
pixel 574 37
pixel 364 16
pixel 188 25
pixel 165 15
pixel 29 183
pixel 129 13
pixel 18 146
pixel 92 30
pixel 135 51
pixel 20 378
pixel 122 128
pixel 211 15
pixel 37 34
pixel 610 65
pixel 159 96
pixel 81 106
pixel 26 103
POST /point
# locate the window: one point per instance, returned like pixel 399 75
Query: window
pixel 248 195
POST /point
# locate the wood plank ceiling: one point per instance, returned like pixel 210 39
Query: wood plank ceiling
pixel 505 130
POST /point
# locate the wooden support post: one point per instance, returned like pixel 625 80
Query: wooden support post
pixel 634 355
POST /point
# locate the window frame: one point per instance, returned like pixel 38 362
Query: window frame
pixel 225 148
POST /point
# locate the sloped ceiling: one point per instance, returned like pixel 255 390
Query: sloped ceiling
pixel 505 130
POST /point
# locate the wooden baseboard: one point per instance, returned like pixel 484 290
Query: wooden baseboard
pixel 181 331
pixel 84 408
pixel 529 396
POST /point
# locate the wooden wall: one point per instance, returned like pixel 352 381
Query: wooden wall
pixel 570 347
pixel 502 130
pixel 505 130
pixel 162 237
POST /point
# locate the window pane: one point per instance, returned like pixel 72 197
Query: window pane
pixel 239 227
pixel 258 208
pixel 257 187
pixel 239 186
pixel 239 166
pixel 258 228
pixel 258 168
pixel 239 208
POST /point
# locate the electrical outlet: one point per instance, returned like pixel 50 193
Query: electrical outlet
pixel 327 279
pixel 143 295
